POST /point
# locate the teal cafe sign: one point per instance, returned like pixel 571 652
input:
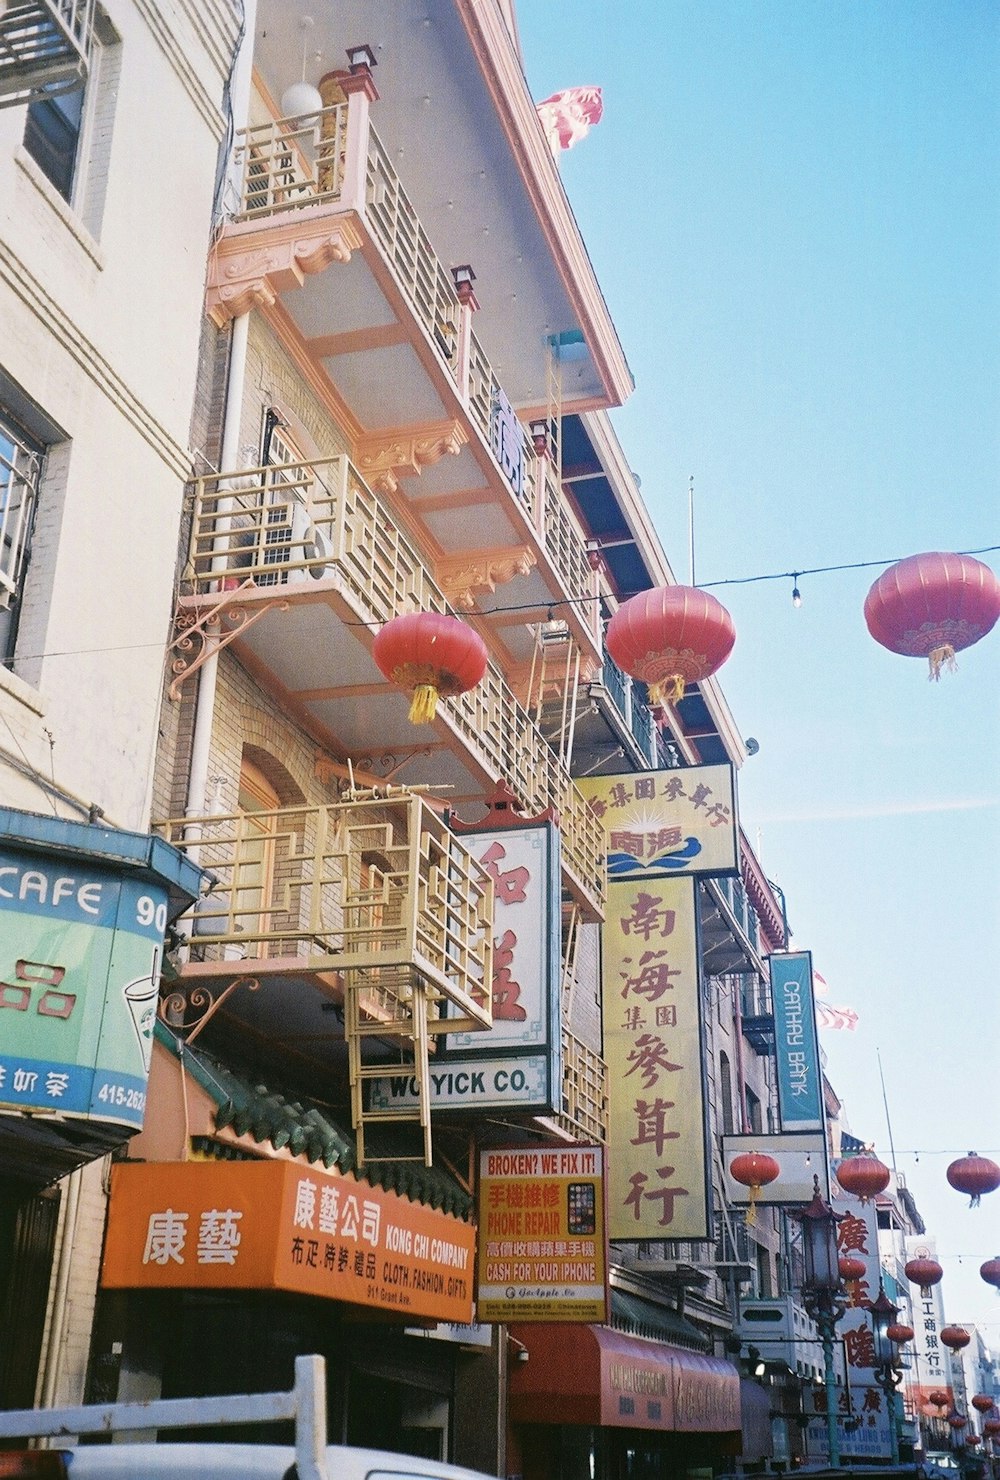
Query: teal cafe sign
pixel 796 1045
pixel 83 915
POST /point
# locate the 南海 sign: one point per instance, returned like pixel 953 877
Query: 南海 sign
pixel 542 1243
pixel 279 1225
pixel 663 823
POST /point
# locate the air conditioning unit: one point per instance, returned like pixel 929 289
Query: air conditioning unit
pixel 308 543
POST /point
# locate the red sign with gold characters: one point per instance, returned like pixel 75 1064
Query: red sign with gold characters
pixel 542 1240
pixel 279 1225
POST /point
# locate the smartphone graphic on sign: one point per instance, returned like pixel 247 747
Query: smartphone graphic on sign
pixel 582 1209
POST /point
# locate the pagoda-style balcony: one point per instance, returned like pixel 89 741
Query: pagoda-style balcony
pixel 391 330
pixel 298 567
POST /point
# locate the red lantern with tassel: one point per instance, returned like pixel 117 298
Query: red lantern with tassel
pixel 899 1333
pixel 430 655
pixel 925 1272
pixel 933 605
pixel 754 1170
pixel 863 1176
pixel 954 1338
pixel 982 1402
pixel 938 1398
pixel 957 1421
pixel 991 1428
pixel 850 1269
pixel 972 1440
pixel 975 1175
pixel 670 637
pixel 990 1271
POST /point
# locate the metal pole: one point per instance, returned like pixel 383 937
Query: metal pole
pixel 825 1321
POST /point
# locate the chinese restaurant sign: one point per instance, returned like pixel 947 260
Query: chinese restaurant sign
pixel 658 1185
pixel 931 1368
pixel 517 1062
pixel 80 952
pixel 663 823
pixel 542 1243
pixel 796 1045
pixel 277 1225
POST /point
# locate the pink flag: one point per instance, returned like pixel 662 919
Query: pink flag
pixel 836 1018
pixel 568 115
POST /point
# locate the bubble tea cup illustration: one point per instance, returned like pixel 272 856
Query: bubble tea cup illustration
pixel 141 996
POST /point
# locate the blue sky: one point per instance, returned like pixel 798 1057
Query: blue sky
pixel 794 212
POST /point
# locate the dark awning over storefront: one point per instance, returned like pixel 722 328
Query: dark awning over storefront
pixel 756 1407
pixel 596 1376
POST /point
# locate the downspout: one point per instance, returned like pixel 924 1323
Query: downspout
pixel 60 1301
pixel 741 1084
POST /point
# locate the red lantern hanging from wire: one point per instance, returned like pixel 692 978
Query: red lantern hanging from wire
pixel 670 637
pixel 938 1398
pixel 982 1402
pixel 925 1272
pixel 954 1337
pixel 975 1175
pixel 932 606
pixel 863 1176
pixel 957 1421
pixel 991 1428
pixel 851 1270
pixel 755 1170
pixel 990 1271
pixel 972 1440
pixel 432 656
pixel 899 1333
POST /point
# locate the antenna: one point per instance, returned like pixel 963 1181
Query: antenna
pixel 691 525
pixel 885 1102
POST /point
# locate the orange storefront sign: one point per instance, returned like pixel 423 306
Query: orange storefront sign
pixel 277 1225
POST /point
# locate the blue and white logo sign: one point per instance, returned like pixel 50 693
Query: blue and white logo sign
pixel 796 1045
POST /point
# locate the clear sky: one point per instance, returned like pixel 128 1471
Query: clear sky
pixel 793 208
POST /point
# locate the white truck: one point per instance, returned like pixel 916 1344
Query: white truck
pixel 311 1458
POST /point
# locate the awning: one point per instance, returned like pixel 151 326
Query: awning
pixel 596 1376
pixel 756 1411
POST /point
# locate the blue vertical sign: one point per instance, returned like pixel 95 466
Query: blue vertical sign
pixel 800 1085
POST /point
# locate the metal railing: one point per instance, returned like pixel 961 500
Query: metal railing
pixel 278 527
pixel 44 48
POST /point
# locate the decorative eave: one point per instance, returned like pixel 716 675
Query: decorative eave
pixel 463 578
pixel 501 68
pixel 384 457
pixel 253 262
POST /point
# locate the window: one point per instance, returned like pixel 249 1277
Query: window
pixel 52 137
pixel 753 1113
pixel 726 1093
pixel 20 473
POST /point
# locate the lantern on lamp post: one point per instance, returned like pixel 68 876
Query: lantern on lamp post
pixel 888 1368
pixel 821 1294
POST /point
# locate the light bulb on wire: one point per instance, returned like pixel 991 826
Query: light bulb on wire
pixel 796 593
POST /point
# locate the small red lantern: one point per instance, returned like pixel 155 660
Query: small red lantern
pixel 957 1421
pixel 931 606
pixel 982 1402
pixel 924 1272
pixel 863 1176
pixel 975 1175
pixel 670 637
pixel 850 1269
pixel 938 1398
pixel 899 1333
pixel 990 1271
pixel 954 1338
pixel 430 655
pixel 991 1428
pixel 754 1170
pixel 972 1440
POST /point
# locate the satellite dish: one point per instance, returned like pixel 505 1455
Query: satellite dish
pixel 752 746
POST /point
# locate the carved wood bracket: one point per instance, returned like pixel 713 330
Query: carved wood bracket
pixel 253 262
pixel 384 457
pixel 464 577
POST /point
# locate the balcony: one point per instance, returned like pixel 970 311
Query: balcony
pixel 585 1092
pixel 298 566
pixel 393 336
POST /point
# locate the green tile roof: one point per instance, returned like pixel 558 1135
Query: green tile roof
pixel 639 1317
pixel 305 1128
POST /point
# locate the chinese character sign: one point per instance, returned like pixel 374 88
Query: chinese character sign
pixel 542 1246
pixel 931 1370
pixel 663 823
pixel 796 1044
pixel 280 1225
pixel 657 1172
pixel 507 440
pixel 80 953
pixel 857 1237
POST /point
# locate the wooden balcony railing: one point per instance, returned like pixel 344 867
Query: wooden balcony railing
pixel 291 162
pixel 280 527
pixel 585 1092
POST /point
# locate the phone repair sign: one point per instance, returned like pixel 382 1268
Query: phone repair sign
pixel 542 1250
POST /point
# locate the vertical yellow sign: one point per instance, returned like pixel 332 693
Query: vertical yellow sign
pixel 657 1160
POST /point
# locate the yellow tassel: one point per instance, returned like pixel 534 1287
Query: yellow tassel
pixel 941 657
pixel 752 1209
pixel 668 690
pixel 423 705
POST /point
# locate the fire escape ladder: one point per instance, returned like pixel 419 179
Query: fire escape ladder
pixel 555 701
pixel 388 1004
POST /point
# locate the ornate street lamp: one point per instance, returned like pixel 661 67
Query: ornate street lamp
pixel 888 1368
pixel 821 1295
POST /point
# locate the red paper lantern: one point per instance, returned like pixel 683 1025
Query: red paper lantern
pixel 863 1176
pixel 754 1170
pixel 924 1272
pixel 954 1338
pixel 938 1398
pixel 957 1421
pixel 991 1428
pixel 982 1402
pixel 975 1175
pixel 430 655
pixel 972 1440
pixel 990 1271
pixel 899 1333
pixel 670 637
pixel 931 606
pixel 850 1269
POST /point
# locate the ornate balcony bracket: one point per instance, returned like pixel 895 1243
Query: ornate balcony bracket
pixel 385 457
pixel 462 578
pixel 193 629
pixel 251 264
pixel 178 1004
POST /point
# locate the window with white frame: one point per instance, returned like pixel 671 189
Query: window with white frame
pixel 20 475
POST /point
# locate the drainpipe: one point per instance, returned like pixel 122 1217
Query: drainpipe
pixel 741 1084
pixel 60 1301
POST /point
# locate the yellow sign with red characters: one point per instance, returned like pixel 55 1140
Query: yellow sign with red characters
pixel 660 824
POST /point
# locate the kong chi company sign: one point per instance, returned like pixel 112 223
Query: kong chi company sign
pixel 658 1183
pixel 663 823
pixel 542 1241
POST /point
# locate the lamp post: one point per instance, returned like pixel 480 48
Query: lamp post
pixel 888 1368
pixel 821 1295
